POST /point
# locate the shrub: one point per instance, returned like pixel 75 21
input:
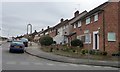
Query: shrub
pixel 46 40
pixel 83 51
pixel 104 53
pixel 98 53
pixel 92 52
pixel 54 42
pixel 77 42
pixel 116 54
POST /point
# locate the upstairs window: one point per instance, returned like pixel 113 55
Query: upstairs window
pixel 74 25
pixel 87 20
pixel 79 24
pixel 56 32
pixel 96 17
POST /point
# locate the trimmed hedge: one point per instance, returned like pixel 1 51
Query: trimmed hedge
pixel 77 42
pixel 46 40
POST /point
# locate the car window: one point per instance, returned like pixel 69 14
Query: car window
pixel 17 42
pixel 24 39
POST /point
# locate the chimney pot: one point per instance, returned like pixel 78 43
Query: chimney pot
pixel 48 27
pixel 76 13
pixel 62 20
pixel 42 29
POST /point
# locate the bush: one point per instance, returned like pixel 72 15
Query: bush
pixel 83 51
pixel 77 42
pixel 116 54
pixel 92 52
pixel 46 40
pixel 54 42
pixel 104 53
pixel 99 53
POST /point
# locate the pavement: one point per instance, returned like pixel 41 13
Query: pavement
pixel 1 42
pixel 35 50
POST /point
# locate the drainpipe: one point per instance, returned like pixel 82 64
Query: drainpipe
pixel 103 30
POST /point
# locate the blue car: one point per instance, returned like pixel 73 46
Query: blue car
pixel 25 41
pixel 17 46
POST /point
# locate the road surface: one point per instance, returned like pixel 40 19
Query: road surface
pixel 12 61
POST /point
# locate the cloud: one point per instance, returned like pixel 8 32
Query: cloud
pixel 16 15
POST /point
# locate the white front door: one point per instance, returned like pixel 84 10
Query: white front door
pixel 95 40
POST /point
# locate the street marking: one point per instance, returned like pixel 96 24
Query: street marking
pixel 73 64
pixel 50 64
pixel 12 63
pixel 85 65
pixel 107 67
pixel 97 66
pixel 38 63
pixel 102 61
pixel 63 65
pixel 24 63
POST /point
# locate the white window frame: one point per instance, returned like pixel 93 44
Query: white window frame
pixel 79 23
pixel 114 35
pixel 89 39
pixel 74 25
pixel 88 20
pixel 96 17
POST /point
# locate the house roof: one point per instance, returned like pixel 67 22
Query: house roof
pixel 74 19
pixel 97 9
pixel 61 24
pixel 86 14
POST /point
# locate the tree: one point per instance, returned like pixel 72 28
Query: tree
pixel 77 42
pixel 46 40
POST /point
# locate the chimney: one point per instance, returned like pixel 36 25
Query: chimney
pixel 42 29
pixel 48 27
pixel 62 20
pixel 76 13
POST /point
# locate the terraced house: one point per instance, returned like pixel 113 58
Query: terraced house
pixel 99 28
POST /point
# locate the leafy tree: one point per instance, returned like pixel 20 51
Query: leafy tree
pixel 46 40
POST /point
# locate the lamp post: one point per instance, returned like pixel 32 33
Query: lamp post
pixel 87 41
pixel 29 25
pixel 88 45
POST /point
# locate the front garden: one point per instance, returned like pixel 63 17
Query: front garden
pixel 76 50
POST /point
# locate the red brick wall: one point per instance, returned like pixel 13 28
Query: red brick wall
pixel 119 23
pixel 93 26
pixel 111 25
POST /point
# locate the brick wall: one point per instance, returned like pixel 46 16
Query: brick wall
pixel 111 25
pixel 119 24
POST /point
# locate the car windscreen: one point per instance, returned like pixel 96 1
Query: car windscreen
pixel 17 42
pixel 24 40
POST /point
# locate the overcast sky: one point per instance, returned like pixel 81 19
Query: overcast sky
pixel 16 15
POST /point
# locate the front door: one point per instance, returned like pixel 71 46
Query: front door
pixel 95 40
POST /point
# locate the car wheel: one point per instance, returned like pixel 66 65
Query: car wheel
pixel 22 51
pixel 10 51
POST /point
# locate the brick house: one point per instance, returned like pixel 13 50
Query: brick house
pixel 59 32
pixel 99 28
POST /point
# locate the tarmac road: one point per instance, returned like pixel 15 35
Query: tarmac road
pixel 13 61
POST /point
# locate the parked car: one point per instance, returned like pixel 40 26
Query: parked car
pixel 9 40
pixel 17 46
pixel 25 41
